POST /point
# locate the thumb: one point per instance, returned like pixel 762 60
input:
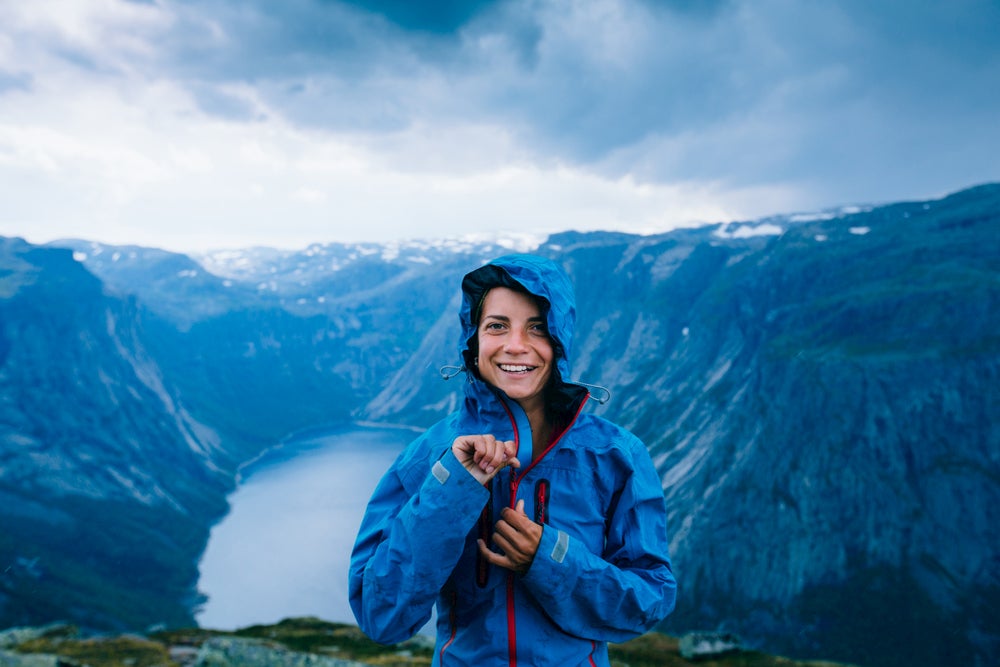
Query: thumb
pixel 520 506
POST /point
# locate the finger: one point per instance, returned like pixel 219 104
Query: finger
pixel 463 444
pixel 519 529
pixel 510 540
pixel 510 453
pixel 516 517
pixel 467 446
pixel 498 457
pixel 479 444
pixel 502 544
pixel 492 556
pixel 488 453
pixel 514 556
pixel 493 458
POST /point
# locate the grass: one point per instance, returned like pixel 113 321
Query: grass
pixel 313 635
pixel 124 651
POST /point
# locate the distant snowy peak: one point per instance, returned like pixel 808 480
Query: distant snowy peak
pixel 101 253
pixel 778 224
pixel 248 264
pixel 744 231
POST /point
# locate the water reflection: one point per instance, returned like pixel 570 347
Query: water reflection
pixel 283 550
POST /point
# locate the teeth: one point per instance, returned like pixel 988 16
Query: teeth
pixel 514 369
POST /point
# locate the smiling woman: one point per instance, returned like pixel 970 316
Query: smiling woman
pixel 520 511
pixel 515 353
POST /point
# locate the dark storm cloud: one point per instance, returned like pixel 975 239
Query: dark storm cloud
pixel 441 17
pixel 857 100
pixel 516 114
pixel 851 98
pixel 342 65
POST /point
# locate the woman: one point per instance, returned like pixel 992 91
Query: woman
pixel 538 529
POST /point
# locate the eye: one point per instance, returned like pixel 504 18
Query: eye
pixel 493 327
pixel 539 329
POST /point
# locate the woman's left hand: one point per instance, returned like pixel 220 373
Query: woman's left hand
pixel 517 536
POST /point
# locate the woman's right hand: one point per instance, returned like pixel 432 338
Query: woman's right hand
pixel 484 456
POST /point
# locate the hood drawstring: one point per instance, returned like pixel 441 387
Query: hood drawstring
pixel 605 392
pixel 448 372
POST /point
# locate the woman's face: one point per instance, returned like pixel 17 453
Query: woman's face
pixel 515 352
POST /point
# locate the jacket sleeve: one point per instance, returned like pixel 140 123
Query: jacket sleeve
pixel 408 545
pixel 623 592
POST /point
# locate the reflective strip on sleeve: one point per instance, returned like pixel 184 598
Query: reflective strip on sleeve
pixel 440 473
pixel 561 547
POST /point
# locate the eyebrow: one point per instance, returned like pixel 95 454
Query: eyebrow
pixel 504 318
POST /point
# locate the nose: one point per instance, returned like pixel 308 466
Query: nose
pixel 517 341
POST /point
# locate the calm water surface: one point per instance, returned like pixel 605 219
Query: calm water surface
pixel 283 549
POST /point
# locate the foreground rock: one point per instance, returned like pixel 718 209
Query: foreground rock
pixel 308 642
pixel 239 652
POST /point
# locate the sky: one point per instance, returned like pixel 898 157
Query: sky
pixel 193 125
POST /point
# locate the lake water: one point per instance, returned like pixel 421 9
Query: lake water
pixel 283 549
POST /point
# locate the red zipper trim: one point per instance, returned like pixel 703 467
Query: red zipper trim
pixel 515 479
pixel 453 621
pixel 511 617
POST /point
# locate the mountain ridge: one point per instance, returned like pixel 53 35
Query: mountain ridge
pixel 817 392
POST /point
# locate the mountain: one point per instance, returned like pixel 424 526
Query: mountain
pixel 106 482
pixel 822 403
pixel 277 341
pixel 818 393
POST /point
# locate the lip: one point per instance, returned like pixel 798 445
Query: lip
pixel 516 368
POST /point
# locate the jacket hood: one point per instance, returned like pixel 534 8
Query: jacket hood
pixel 542 278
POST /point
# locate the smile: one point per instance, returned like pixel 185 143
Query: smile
pixel 515 368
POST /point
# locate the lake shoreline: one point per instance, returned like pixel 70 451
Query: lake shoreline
pixel 283 548
pixel 296 442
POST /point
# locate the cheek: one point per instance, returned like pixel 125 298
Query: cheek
pixel 485 349
pixel 547 352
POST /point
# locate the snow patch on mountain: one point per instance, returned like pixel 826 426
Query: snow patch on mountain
pixel 262 265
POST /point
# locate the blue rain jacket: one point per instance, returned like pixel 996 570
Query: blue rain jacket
pixel 601 573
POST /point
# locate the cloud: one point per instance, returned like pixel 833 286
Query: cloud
pixel 585 82
pixel 439 17
pixel 140 112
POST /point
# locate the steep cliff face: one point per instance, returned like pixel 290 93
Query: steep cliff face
pixel 819 396
pixel 822 405
pixel 826 426
pixel 107 484
pixel 275 341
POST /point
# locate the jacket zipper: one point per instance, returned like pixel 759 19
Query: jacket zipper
pixel 542 501
pixel 515 480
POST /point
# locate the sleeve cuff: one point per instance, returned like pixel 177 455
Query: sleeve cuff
pixel 449 487
pixel 551 555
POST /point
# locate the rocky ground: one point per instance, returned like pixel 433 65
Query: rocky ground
pixel 301 642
